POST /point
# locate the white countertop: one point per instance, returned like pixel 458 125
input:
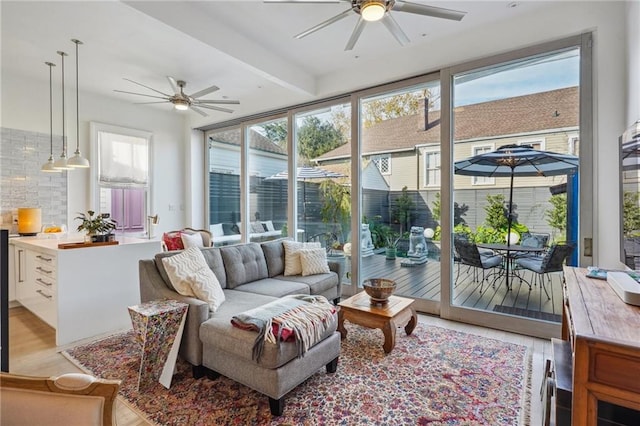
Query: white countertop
pixel 52 243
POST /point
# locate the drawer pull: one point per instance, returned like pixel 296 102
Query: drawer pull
pixel 46 259
pixel 41 293
pixel 46 271
pixel 41 281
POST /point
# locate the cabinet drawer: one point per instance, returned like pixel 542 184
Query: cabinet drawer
pixel 45 282
pixel 44 305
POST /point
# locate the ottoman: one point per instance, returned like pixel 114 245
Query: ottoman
pixel 227 350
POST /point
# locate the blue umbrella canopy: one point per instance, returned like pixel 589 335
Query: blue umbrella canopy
pixel 519 160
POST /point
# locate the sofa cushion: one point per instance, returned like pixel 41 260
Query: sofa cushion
pixel 274 255
pixel 268 226
pixel 205 286
pixel 172 240
pixel 212 257
pixel 318 284
pixel 185 267
pixel 243 263
pixel 274 287
pixel 292 264
pixel 256 227
pixel 218 331
pixel 314 261
pixel 191 240
pixel 216 230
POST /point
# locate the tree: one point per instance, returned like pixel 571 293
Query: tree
pixel 315 137
pixel 341 119
pixel 402 209
pixel 336 205
pixel 408 103
pixel 557 216
pixel 496 217
pixel 276 131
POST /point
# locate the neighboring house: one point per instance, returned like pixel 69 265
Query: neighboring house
pixel 407 150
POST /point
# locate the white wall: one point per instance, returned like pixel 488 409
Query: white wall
pixel 25 106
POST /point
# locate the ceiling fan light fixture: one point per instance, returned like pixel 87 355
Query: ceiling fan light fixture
pixel 373 10
pixel 181 104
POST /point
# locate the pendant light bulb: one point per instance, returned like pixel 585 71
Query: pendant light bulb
pixel 48 166
pixel 61 162
pixel 77 161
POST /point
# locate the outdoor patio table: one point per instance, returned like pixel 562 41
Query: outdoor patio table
pixel 507 251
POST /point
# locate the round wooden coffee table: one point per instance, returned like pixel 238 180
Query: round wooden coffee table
pixel 398 311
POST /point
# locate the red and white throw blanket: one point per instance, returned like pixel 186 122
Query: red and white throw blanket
pixel 302 316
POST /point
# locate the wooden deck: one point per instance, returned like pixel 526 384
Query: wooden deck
pixel 423 281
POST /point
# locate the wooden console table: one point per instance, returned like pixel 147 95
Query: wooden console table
pixel 604 334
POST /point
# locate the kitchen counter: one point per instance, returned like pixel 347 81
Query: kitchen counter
pixel 80 292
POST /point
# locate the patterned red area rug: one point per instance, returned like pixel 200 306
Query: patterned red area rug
pixel 433 377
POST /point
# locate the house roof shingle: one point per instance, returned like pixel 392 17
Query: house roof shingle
pixel 554 109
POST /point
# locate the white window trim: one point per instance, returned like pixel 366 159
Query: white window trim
pixel 533 141
pixel 425 154
pixel 487 180
pixel 94 130
pixel 381 156
pixel 572 138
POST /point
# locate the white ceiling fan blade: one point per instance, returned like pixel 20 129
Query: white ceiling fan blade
pixel 150 88
pixel 303 1
pixel 141 94
pixel 174 85
pixel 325 23
pixel 205 91
pixel 423 9
pixel 355 34
pixel 395 29
pixel 155 102
pixel 214 107
pixel 199 111
pixel 222 101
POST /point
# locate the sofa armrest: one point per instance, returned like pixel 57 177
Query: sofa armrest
pixel 337 266
pixel 153 287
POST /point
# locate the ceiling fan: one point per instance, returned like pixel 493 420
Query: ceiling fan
pixel 182 101
pixel 377 10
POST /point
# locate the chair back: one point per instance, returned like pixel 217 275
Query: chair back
pixel 70 399
pixel 468 252
pixel 554 259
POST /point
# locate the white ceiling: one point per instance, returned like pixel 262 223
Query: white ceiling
pixel 246 48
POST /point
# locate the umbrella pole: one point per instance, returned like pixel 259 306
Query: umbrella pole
pixel 509 226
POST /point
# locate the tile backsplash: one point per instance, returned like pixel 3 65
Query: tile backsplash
pixel 22 184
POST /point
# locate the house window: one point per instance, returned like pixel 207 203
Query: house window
pixel 383 163
pixel 121 179
pixel 432 168
pixel 537 144
pixel 573 142
pixel 482 180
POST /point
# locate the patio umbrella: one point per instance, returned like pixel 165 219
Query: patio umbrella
pixel 304 173
pixel 521 160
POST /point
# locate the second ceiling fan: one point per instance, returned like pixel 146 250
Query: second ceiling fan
pixel 182 101
pixel 377 10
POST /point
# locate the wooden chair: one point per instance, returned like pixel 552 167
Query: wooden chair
pixel 69 399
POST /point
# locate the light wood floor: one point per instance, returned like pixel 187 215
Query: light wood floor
pixel 32 351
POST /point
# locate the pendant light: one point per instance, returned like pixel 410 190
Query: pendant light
pixel 61 163
pixel 77 160
pixel 48 166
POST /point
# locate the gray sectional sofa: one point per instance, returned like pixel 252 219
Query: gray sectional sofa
pixel 251 275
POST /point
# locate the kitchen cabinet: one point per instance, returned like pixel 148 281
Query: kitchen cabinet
pixel 82 292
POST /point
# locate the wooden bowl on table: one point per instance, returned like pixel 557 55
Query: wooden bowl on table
pixel 379 289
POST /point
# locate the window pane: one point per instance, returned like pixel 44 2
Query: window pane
pixel 224 186
pixel 268 180
pixel 123 159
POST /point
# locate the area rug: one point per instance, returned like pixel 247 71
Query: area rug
pixel 521 312
pixel 435 376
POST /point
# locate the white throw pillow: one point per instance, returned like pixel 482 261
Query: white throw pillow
pixel 292 264
pixel 191 240
pixel 216 230
pixel 191 276
pixel 314 261
pixel 256 227
pixel 269 225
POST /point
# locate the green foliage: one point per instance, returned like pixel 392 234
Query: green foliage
pixel 463 229
pixel 485 234
pixel 402 209
pixel 316 137
pixel 377 110
pixel 631 213
pixel 336 205
pixel 435 209
pixel 437 233
pixel 557 216
pixel 99 224
pixel 276 131
pixel 496 217
pixel 341 119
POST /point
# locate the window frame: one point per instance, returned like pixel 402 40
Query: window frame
pixel 437 169
pixel 378 158
pixel 482 180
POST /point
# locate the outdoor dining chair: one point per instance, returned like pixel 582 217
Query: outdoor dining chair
pixel 552 261
pixel 470 255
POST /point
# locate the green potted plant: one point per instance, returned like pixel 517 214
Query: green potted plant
pixel 392 245
pixel 99 228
